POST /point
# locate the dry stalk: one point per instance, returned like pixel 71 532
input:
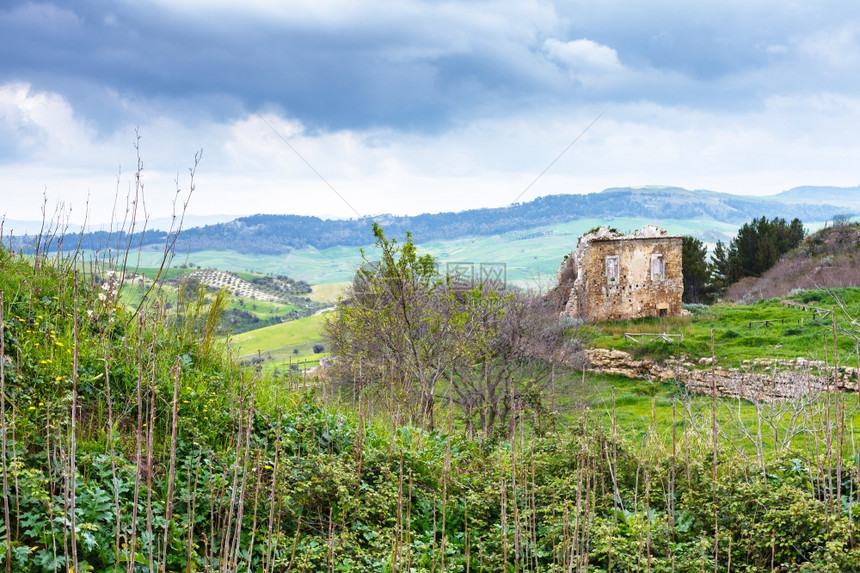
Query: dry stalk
pixel 268 556
pixel 112 454
pixel 171 472
pixel 73 455
pixel 139 445
pixel 6 520
pixel 254 520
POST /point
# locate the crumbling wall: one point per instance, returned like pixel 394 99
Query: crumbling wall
pixel 758 381
pixel 619 277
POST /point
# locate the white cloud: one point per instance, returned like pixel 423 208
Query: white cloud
pixel 587 61
pixel 40 123
pixel 247 169
pixel 834 48
pixel 423 105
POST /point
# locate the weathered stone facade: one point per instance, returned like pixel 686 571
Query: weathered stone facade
pixel 611 276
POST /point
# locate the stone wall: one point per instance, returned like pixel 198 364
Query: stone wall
pixel 763 380
pixel 611 276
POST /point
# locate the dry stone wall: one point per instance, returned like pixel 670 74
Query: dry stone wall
pixel 762 380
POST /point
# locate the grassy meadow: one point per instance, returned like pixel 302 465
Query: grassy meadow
pixel 767 329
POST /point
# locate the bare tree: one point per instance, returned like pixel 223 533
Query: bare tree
pixel 525 345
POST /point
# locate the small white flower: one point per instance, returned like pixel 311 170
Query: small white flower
pixel 102 296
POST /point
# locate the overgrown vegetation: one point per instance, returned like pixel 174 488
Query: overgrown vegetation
pixel 828 258
pixel 132 442
pixel 408 326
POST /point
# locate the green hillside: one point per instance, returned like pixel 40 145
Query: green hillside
pixel 281 234
pixel 531 255
pixel 282 344
pixel 768 329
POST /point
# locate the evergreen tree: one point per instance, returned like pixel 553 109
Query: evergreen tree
pixel 696 271
pixel 720 267
pixel 759 245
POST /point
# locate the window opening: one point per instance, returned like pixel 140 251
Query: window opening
pixel 612 274
pixel 658 267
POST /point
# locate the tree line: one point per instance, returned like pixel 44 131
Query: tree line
pixel 757 247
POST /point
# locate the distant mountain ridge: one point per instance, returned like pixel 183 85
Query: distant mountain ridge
pixel 274 234
pixel 840 196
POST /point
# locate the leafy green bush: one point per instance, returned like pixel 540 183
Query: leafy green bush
pixel 808 296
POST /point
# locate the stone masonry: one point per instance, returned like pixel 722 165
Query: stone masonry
pixel 612 276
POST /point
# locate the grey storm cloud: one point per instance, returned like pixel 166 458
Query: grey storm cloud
pixel 417 65
pixel 422 105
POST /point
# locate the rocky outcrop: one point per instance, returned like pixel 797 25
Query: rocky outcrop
pixel 623 364
pixel 759 380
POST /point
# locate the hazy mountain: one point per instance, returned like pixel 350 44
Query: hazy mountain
pixel 840 196
pixel 280 233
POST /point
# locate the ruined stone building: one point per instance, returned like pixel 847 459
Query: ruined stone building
pixel 612 276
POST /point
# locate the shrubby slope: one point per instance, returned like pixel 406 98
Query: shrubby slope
pixel 132 442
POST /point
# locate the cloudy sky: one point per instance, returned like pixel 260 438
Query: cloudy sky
pixel 409 106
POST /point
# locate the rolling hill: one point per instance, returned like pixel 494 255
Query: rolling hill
pixel 280 234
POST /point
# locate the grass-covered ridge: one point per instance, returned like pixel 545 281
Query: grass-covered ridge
pixel 158 452
pixel 800 325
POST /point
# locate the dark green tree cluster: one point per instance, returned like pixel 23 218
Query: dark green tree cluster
pixel 757 247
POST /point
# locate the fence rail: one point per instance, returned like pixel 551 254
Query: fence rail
pixel 651 336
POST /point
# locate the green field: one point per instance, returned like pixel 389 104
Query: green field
pixel 327 292
pixel 283 344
